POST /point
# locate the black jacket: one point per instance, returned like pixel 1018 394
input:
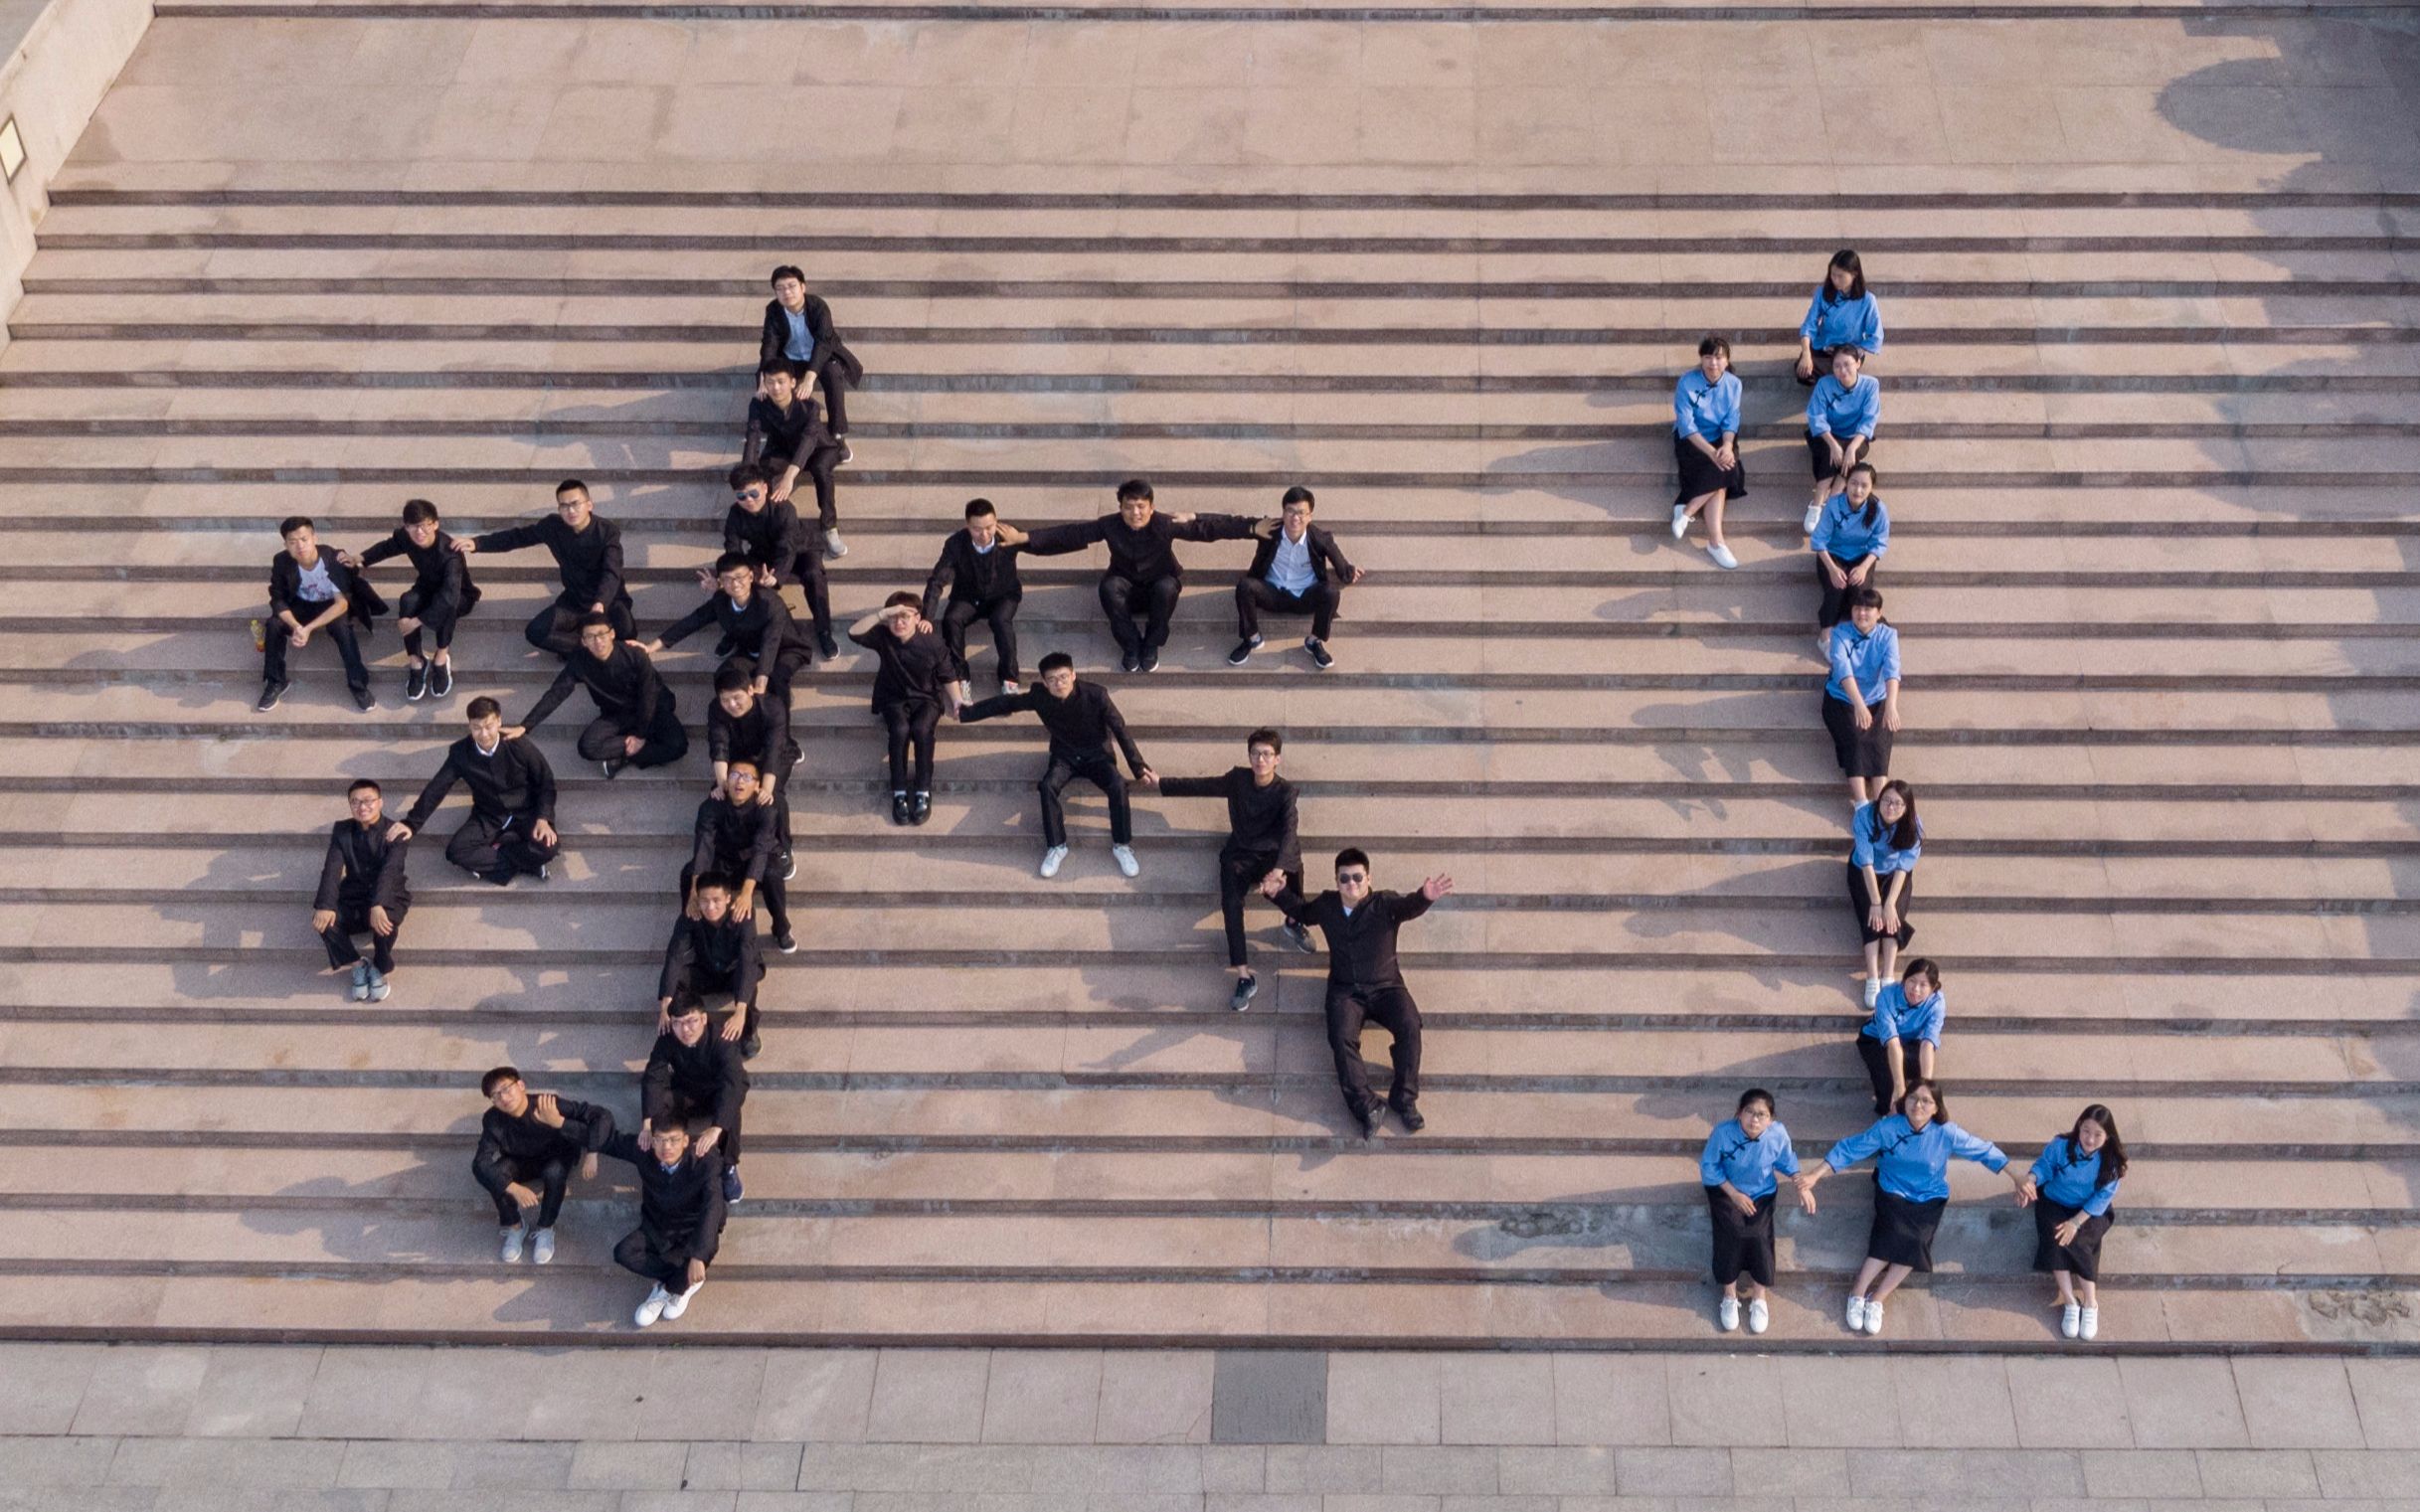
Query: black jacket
pixel 1083 723
pixel 680 1211
pixel 1326 561
pixel 363 869
pixel 1361 949
pixel 440 574
pixel 589 562
pixel 795 432
pixel 586 1129
pixel 763 632
pixel 908 669
pixel 971 576
pixel 361 603
pixel 514 783
pixel 1137 555
pixel 771 537
pixel 1260 820
pixel 626 686
pixel 762 736
pixel 708 1074
pixel 738 840
pixel 727 952
pixel 772 339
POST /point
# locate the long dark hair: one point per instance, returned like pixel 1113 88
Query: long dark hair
pixel 2113 1154
pixel 1907 831
pixel 1845 259
pixel 1873 497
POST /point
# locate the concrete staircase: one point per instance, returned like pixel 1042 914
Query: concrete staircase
pixel 2149 453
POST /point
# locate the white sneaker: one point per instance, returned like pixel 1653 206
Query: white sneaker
pixel 510 1252
pixel 2088 1323
pixel 1009 688
pixel 1124 855
pixel 1874 991
pixel 542 1249
pixel 1873 1317
pixel 2068 1320
pixel 1726 1314
pixel 1855 1314
pixel 1722 557
pixel 1815 517
pixel 1052 858
pixel 678 1302
pixel 1758 1315
pixel 653 1308
pixel 1680 522
pixel 965 691
pixel 833 547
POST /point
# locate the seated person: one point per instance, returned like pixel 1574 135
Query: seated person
pixel 772 536
pixel 756 629
pixel 786 437
pixel 1143 577
pixel 362 891
pixel 681 1211
pixel 1296 570
pixel 740 839
pixel 586 547
pixel 525 1138
pixel 798 332
pixel 639 721
pixel 313 593
pixel 1082 720
pixel 711 951
pixel 979 568
pixel 511 828
pixel 441 592
pixel 694 1074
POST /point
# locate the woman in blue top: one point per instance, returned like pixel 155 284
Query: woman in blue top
pixel 1738 1166
pixel 1905 1026
pixel 1705 443
pixel 2071 1187
pixel 1848 541
pixel 1911 1187
pixel 1841 415
pixel 1885 841
pixel 1862 694
pixel 1841 314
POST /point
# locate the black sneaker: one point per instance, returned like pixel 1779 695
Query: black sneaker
pixel 1408 1115
pixel 1372 1119
pixel 899 808
pixel 1318 648
pixel 1150 658
pixel 922 809
pixel 270 693
pixel 1131 662
pixel 440 679
pixel 732 1190
pixel 1241 652
pixel 364 700
pixel 1300 936
pixel 1245 987
pixel 416 683
pixel 612 766
pixel 825 646
pixel 724 647
pixel 846 453
pixel 787 942
pixel 789 864
pixel 751 1047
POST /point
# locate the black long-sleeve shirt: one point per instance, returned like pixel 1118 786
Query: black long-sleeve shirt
pixel 907 669
pixel 511 782
pixel 1260 820
pixel 1360 945
pixel 708 1074
pixel 440 574
pixel 680 1210
pixel 586 1129
pixel 1083 723
pixel 624 685
pixel 974 576
pixel 590 561
pixel 363 869
pixel 762 630
pixel 1137 555
pixel 738 840
pixel 773 431
pixel 771 537
pixel 762 736
pixel 728 949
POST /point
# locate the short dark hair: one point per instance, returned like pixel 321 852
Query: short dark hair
pixel 732 562
pixel 1133 488
pixel 498 1077
pixel 419 512
pixel 785 271
pixel 745 473
pixel 714 879
pixel 481 706
pixel 1865 598
pixel 1924 967
pixel 1352 855
pixel 733 677
pixel 570 485
pixel 1268 737
pixel 736 763
pixel 360 782
pixel 1299 496
pixel 1847 262
pixel 595 618
pixel 771 365
pixel 905 596
pixel 1056 660
pixel 979 507
pixel 685 1003
pixel 293 523
pixel 1713 344
pixel 1755 1095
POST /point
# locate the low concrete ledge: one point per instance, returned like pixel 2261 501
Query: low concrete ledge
pixel 63 56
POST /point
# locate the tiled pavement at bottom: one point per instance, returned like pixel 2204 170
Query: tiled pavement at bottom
pixel 383 1430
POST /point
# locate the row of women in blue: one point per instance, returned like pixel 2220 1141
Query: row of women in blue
pixel 2070 1188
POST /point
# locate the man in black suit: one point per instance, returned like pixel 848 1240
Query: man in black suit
pixel 1299 570
pixel 742 727
pixel 786 437
pixel 541 1138
pixel 313 592
pixel 740 839
pixel 694 1071
pixel 780 545
pixel 1143 576
pixel 681 1212
pixel 586 547
pixel 712 952
pixel 979 568
pixel 362 891
pixel 1365 982
pixel 1260 844
pixel 798 334
pixel 756 625
pixel 1083 720
pixel 441 592
pixel 639 721
pixel 511 828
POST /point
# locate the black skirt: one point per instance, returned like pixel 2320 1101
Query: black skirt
pixel 1818 452
pixel 2083 1257
pixel 1862 904
pixel 1903 1229
pixel 1832 606
pixel 1699 477
pixel 1861 753
pixel 1742 1243
pixel 1822 365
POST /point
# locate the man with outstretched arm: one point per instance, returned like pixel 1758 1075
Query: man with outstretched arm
pixel 1082 720
pixel 1260 844
pixel 511 828
pixel 586 547
pixel 639 721
pixel 977 569
pixel 1143 577
pixel 757 627
pixel 681 1211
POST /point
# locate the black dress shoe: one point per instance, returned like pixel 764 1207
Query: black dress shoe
pixel 921 809
pixel 899 808
pixel 1374 1117
pixel 748 1048
pixel 1408 1115
pixel 825 646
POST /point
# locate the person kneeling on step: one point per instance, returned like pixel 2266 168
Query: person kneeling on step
pixel 540 1138
pixel 681 1214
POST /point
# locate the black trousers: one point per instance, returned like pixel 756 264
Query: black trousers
pixel 837 370
pixel 1833 606
pixel 1155 600
pixel 496 850
pixel 778 675
pixel 1254 597
pixel 819 466
pixel 666 741
pixel 438 618
pixel 1743 1244
pixel 343 632
pixel 1862 904
pixel 772 894
pixel 687 1110
pixel 637 1253
pixel 1099 768
pixel 806 570
pixel 351 920
pixel 1392 1007
pixel 1876 1056
pixel 703 982
pixel 1000 615
pixel 912 724
pixel 556 628
pixel 551 1177
pixel 1238 878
